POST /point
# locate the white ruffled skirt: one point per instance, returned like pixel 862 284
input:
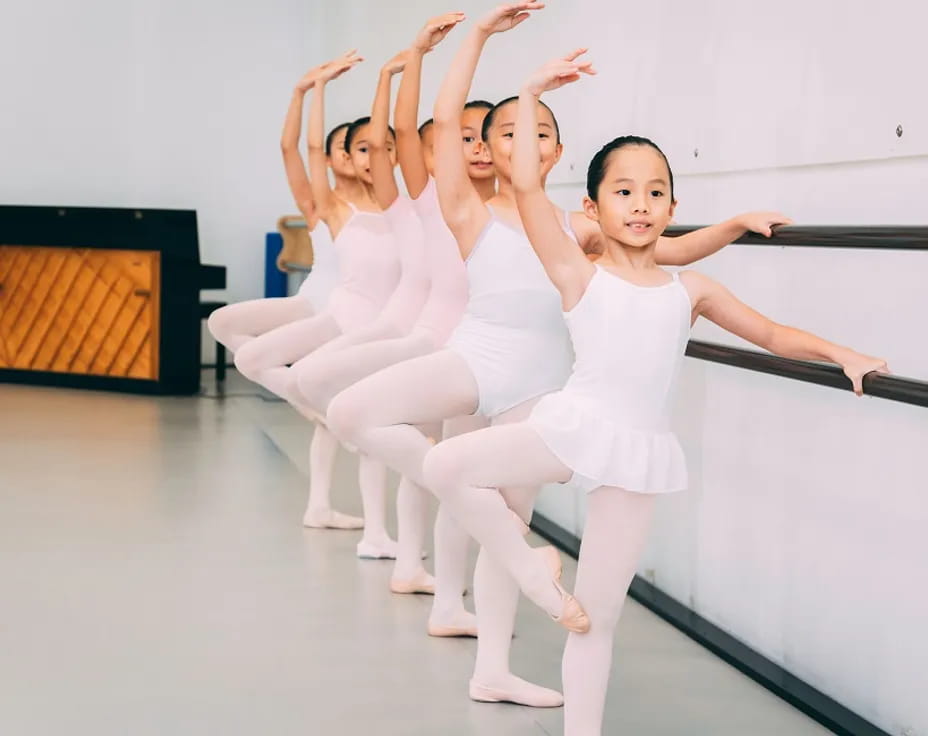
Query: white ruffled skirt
pixel 603 452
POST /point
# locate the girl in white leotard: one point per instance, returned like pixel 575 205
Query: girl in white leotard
pixel 417 320
pixel 265 334
pixel 378 414
pixel 608 427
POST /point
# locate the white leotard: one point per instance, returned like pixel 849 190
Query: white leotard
pixel 512 335
pixel 610 423
pixel 368 269
pixel 448 293
pixel 318 284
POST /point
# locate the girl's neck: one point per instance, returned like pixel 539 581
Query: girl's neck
pixel 505 196
pixel 627 257
pixel 486 188
pixel 354 191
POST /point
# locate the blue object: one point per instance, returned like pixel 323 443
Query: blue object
pixel 275 281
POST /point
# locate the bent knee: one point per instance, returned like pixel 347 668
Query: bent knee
pixel 441 468
pixel 345 417
pixel 248 360
pixel 219 324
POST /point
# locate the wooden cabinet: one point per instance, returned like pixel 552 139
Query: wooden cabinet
pixel 80 310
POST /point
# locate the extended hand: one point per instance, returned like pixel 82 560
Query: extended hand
pixel 507 17
pixel 763 222
pixel 309 79
pixel 857 366
pixel 434 32
pixel 559 72
pixel 397 63
pixel 335 68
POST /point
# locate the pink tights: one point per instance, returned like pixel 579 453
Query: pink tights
pixel 468 472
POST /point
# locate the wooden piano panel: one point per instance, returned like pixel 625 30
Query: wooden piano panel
pixel 79 310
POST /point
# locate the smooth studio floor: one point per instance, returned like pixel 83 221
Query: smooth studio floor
pixel 155 579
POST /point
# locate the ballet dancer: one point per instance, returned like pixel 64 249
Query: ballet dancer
pixel 608 429
pixel 510 348
pixel 261 331
pixel 438 298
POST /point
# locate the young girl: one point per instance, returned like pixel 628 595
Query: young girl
pixel 430 260
pixel 268 333
pixel 511 346
pixel 608 428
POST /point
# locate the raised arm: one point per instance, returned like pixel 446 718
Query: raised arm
pixel 461 206
pixel 378 134
pixel 686 249
pixel 294 166
pixel 719 305
pixel 327 204
pixel 564 263
pixel 406 116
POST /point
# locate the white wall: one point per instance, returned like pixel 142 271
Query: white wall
pixel 171 104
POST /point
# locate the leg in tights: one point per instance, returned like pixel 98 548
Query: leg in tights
pixel 265 359
pixel 320 377
pixel 237 324
pixel 467 472
pixel 377 414
pixel 614 535
pixel 376 543
pixel 449 617
pixel 319 512
pixel 496 596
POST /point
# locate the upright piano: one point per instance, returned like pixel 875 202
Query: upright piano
pixel 102 298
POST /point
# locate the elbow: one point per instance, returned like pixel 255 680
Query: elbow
pixel 443 117
pixel 289 147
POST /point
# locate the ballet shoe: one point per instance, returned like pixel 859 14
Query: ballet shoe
pixel 385 550
pixel 331 519
pixel 421 583
pixel 516 690
pixel 464 624
pixel 572 616
pixel 552 559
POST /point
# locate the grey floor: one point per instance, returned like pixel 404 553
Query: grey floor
pixel 155 579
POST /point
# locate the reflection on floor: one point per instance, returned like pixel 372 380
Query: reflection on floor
pixel 156 579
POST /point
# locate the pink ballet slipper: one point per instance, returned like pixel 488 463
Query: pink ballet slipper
pixel 421 583
pixel 464 625
pixel 331 519
pixel 385 550
pixel 515 690
pixel 572 616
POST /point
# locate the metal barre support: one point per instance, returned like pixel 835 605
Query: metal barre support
pixel 894 388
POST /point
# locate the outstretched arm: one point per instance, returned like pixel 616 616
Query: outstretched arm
pixel 564 263
pixel 686 249
pixel 325 199
pixel 719 305
pixel 294 166
pixel 381 167
pixel 461 206
pixel 406 116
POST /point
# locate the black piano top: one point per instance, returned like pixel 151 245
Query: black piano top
pixel 173 233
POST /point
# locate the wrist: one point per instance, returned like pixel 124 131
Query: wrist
pixel 529 90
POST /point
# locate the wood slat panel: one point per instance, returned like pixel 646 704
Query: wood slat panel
pixel 79 310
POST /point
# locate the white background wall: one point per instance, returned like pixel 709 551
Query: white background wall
pixel 803 531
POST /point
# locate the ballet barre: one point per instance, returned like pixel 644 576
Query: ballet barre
pixel 882 385
pixel 845 236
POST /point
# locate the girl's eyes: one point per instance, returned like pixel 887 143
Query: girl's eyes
pixel 507 135
pixel 624 192
pixel 469 139
pixel 657 193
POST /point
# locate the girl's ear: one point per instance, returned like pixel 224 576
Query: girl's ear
pixel 591 209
